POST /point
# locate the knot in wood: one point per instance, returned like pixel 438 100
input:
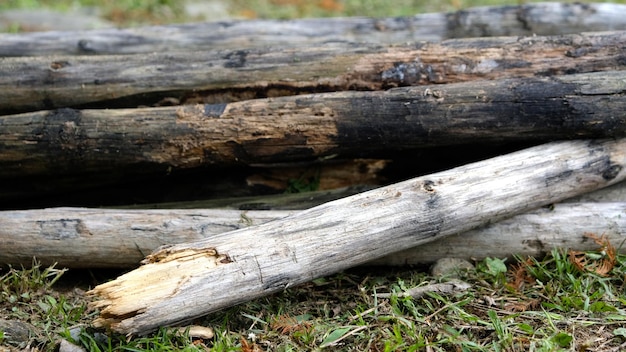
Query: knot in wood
pixel 429 186
pixel 611 172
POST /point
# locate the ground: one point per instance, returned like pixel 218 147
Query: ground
pixel 565 301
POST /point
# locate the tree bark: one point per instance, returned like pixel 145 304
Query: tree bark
pixel 523 20
pixel 344 124
pixel 184 281
pixel 172 78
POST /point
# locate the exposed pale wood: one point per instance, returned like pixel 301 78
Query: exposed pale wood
pixel 343 124
pixel 36 83
pixel 184 281
pixel 527 19
pixel 105 238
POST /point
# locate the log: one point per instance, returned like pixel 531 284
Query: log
pixel 172 78
pixel 181 282
pixel 343 124
pixel 522 20
pixel 534 234
pixel 107 238
pixel 615 193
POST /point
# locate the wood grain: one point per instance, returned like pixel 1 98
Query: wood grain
pixel 181 282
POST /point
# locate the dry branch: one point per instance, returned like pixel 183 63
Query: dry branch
pixel 105 238
pixel 528 19
pixel 184 281
pixel 346 124
pixel 36 83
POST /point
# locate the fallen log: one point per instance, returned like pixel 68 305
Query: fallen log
pixel 173 78
pixel 106 238
pixel 523 20
pixel 344 124
pixel 615 193
pixel 535 234
pixel 181 282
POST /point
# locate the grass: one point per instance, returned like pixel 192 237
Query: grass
pixel 553 304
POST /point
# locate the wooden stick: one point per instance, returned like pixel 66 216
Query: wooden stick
pixel 527 19
pixel 184 281
pixel 222 76
pixel 107 238
pixel 306 127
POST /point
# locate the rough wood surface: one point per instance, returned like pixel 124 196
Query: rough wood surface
pixel 105 238
pixel 344 124
pixel 527 19
pixel 184 281
pixel 615 193
pixel 536 233
pixel 172 78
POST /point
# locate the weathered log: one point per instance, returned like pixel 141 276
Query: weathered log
pixel 615 193
pixel 36 83
pixel 106 238
pixel 181 282
pixel 93 238
pixel 346 124
pixel 528 19
pixel 535 234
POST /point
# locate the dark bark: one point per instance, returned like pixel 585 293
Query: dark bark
pixel 307 127
pixel 172 78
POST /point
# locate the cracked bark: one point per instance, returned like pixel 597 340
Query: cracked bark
pixel 223 76
pixel 307 127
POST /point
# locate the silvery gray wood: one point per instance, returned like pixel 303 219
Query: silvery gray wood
pixel 184 281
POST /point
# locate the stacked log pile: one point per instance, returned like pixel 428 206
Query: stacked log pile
pixel 117 117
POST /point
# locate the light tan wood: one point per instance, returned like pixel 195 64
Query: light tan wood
pixel 184 281
pixel 218 76
pixel 527 19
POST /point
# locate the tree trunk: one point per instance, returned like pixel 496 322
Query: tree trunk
pixel 36 83
pixel 184 281
pixel 344 124
pixel 523 20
